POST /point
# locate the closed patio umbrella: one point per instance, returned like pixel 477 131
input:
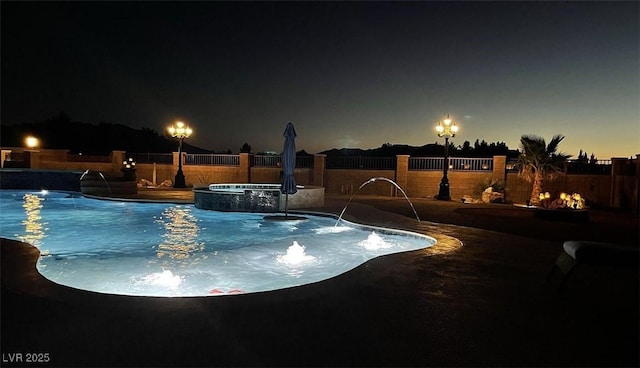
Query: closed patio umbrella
pixel 288 165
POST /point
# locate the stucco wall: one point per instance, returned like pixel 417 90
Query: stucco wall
pixel 339 181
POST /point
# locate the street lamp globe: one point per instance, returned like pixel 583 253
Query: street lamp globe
pixel 180 131
pixel 447 128
pixel 31 142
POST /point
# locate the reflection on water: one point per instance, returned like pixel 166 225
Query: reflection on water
pixel 165 278
pixel 34 230
pixel 180 239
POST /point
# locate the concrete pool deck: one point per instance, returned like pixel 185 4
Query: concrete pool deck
pixel 486 303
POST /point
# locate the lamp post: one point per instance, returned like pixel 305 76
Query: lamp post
pixel 446 128
pixel 181 131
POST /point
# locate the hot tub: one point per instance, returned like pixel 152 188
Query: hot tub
pixel 255 197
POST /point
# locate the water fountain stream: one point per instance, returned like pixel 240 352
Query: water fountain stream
pixel 371 181
pixel 295 255
pixel 101 175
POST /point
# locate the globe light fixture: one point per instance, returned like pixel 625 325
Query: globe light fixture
pixel 129 169
pixel 180 131
pixel 446 128
pixel 31 142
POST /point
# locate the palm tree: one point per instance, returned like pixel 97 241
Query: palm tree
pixel 539 161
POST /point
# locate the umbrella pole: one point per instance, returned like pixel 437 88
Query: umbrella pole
pixel 286 205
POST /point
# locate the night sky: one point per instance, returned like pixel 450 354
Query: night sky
pixel 347 74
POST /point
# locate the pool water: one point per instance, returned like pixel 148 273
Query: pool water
pixel 159 249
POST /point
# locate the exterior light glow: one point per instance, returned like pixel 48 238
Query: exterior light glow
pixel 447 128
pixel 128 164
pixel 31 142
pixel 180 130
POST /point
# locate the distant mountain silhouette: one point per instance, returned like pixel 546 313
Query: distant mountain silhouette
pixel 59 132
pixel 479 149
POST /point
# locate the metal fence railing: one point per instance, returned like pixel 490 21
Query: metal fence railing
pixel 211 159
pixel 151 158
pixel 599 167
pixel 88 158
pixel 361 162
pixel 266 161
pixel 455 163
pixel 302 162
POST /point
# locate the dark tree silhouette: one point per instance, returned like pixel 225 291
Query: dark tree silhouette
pixel 246 148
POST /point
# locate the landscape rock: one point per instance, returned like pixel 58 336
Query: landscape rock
pixel 489 196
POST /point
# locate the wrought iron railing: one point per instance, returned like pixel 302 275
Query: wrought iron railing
pixel 152 158
pixel 266 160
pixel 88 158
pixel 599 167
pixel 361 163
pixel 455 163
pixel 211 159
pixel 302 162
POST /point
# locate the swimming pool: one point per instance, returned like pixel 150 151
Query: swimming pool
pixel 160 249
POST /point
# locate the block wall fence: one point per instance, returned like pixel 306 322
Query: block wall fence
pixel 619 190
